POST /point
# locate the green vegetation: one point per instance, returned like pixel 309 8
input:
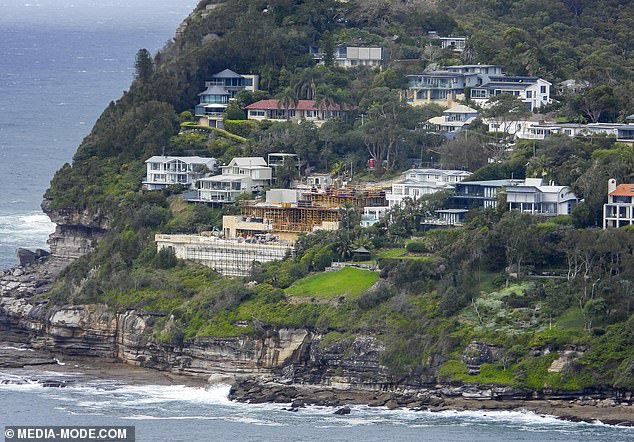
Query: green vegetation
pixel 538 289
pixel 391 253
pixel 349 282
pixel 489 374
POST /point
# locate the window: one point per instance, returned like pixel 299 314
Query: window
pixel 543 89
pixel 529 94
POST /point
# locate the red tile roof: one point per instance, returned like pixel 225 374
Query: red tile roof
pixel 300 105
pixel 623 190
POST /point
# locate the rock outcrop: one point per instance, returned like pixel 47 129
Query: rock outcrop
pixel 76 232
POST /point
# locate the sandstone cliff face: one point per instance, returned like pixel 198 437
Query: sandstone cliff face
pixel 291 354
pixel 76 232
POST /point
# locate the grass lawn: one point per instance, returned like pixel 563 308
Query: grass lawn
pixel 348 281
pixel 400 254
pixel 391 253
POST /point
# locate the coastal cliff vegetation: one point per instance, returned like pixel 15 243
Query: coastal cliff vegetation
pixel 535 291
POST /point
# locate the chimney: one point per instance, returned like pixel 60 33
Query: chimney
pixel 611 185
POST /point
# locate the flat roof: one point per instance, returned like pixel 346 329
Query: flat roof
pixel 494 183
pixel 193 159
pixel 438 74
pixel 452 211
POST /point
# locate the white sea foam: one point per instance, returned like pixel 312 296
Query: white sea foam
pixel 137 395
pixel 10 347
pixel 145 417
pixel 25 229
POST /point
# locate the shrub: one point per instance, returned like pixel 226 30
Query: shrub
pixel 416 247
pixel 377 294
pixel 239 127
pixel 165 258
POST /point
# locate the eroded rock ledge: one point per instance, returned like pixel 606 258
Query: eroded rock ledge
pixel 282 365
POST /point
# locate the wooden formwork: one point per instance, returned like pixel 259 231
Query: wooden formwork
pixel 292 219
pixel 359 198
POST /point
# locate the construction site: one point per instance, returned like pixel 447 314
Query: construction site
pixel 347 197
pixel 229 257
pixel 290 213
pixel 266 231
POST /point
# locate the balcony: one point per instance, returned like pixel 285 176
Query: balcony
pixel 202 110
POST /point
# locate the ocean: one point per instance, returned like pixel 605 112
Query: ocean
pixel 190 413
pixel 61 63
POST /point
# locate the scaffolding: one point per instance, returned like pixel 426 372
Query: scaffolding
pixel 229 257
pixel 295 219
pixel 348 197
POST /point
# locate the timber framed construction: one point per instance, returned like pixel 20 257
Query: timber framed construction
pixel 358 198
pixel 291 219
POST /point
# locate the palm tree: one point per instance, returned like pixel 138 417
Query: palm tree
pixel 288 99
pixel 306 81
pixel 326 97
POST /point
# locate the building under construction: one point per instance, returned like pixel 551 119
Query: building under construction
pixel 266 231
pixel 290 213
pixel 229 257
pixel 347 197
pixel 293 220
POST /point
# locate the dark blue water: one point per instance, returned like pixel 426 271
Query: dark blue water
pixel 61 63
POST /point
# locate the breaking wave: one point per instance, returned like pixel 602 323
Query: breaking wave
pixel 27 230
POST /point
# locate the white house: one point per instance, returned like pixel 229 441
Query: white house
pixel 317 181
pixel 372 215
pixel 456 44
pixel 279 159
pixel 534 197
pixel 419 182
pixel 540 130
pixel 415 184
pixel 518 128
pixel 351 56
pixel 625 133
pixel 480 194
pixel 247 174
pixel 222 87
pixel 164 171
pixel 446 218
pixel 453 120
pixel 619 211
pixel 532 91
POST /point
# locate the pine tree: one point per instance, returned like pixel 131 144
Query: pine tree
pixel 143 65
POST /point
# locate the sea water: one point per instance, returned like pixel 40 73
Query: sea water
pixel 187 413
pixel 61 63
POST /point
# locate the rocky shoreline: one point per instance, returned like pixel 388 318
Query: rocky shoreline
pixel 439 398
pixel 277 365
